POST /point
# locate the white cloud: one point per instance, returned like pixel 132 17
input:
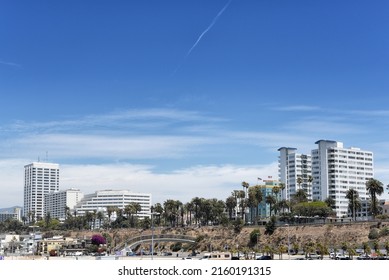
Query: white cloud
pixel 111 147
pixel 158 138
pixel 183 184
pixel 11 183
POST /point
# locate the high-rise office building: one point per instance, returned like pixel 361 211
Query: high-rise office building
pixel 40 178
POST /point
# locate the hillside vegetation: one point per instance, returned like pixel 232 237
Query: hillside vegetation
pixel 222 238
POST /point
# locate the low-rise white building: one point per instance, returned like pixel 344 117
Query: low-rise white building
pixel 59 202
pixel 100 200
pixel 15 214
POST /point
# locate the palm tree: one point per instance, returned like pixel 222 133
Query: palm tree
pixel 230 205
pixel 282 205
pixel 282 188
pixel 136 208
pixel 196 202
pixel 354 202
pixel 310 180
pixel 374 187
pixel 276 190
pixel 47 219
pixel 171 212
pixel 252 203
pixel 110 210
pixel 245 186
pixel 100 217
pixel 244 204
pixel 299 181
pixel 158 208
pixel 68 213
pixel 271 201
pixel 300 196
pixel 89 217
pixel 330 202
pixel 189 207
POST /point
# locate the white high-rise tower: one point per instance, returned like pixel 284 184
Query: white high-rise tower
pixel 336 170
pixel 40 178
pixel 294 172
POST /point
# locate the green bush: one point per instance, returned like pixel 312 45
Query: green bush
pixel 384 231
pixel 374 234
pixel 176 247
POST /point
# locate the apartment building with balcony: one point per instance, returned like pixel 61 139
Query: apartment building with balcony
pixel 328 172
pixel 336 169
pixel 294 171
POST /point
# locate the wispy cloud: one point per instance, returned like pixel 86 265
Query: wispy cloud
pixel 204 32
pixel 105 147
pixel 298 108
pixel 135 119
pixel 12 64
pixel 124 135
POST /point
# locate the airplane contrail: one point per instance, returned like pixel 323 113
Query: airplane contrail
pixel 205 31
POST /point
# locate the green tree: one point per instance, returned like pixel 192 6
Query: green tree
pixel 270 226
pixel 270 199
pixel 300 196
pixel 47 219
pixel 374 187
pixel 100 217
pixel 230 205
pixel 254 236
pixel 330 202
pixel 354 203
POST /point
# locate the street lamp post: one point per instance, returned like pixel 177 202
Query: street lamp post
pixel 257 234
pixel 152 232
pixel 152 236
pixel 288 242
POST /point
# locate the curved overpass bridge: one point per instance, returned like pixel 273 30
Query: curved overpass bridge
pixel 156 238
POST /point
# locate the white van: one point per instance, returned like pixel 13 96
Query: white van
pixel 217 256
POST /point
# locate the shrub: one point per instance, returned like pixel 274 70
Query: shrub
pixel 254 235
pixel 374 234
pixel 176 247
pixel 270 226
pixel 384 231
pixel 97 239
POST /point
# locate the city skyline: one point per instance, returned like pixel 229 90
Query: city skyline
pixel 186 99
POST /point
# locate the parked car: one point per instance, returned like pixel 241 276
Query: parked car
pixel 314 257
pixel 341 257
pixel 337 256
pixel 363 257
pixel 264 258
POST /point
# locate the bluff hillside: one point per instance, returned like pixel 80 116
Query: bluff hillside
pixel 218 238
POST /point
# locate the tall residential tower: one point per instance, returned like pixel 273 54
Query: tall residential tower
pixel 294 172
pixel 336 170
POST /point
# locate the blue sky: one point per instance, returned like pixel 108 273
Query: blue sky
pixel 186 98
